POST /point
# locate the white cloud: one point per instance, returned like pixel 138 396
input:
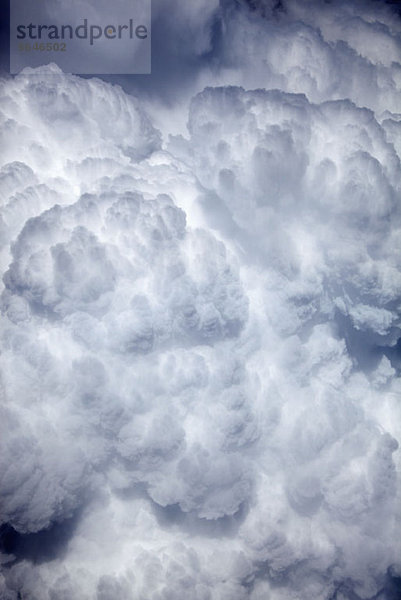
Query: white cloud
pixel 199 378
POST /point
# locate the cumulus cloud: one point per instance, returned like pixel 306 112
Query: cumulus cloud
pixel 200 333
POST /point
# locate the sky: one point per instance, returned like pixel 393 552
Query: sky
pixel 200 312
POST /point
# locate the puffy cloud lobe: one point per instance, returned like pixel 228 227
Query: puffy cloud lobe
pixel 301 176
pixel 199 355
pixel 65 131
pixel 61 266
pixel 125 295
pixel 49 102
pixel 331 51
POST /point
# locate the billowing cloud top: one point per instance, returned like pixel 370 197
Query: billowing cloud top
pixel 200 357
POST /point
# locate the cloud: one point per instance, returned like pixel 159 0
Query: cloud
pixel 200 378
